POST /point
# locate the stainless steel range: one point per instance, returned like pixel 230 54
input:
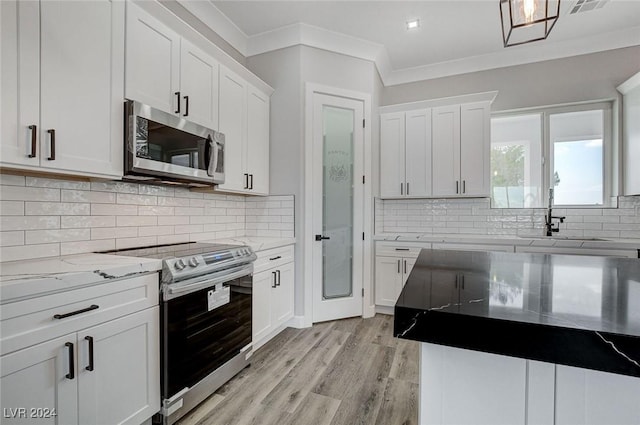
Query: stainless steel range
pixel 205 320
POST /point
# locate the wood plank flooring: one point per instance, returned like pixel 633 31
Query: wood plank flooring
pixel 345 372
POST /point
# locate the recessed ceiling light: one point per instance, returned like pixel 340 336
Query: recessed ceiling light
pixel 412 24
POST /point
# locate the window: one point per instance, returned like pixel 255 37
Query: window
pixel 576 140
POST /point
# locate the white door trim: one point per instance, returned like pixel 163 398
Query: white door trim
pixel 368 307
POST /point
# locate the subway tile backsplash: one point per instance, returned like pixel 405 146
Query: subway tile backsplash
pixel 43 217
pixel 474 216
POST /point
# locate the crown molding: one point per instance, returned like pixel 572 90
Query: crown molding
pixel 518 55
pixel 630 84
pixel 312 36
pixel 213 17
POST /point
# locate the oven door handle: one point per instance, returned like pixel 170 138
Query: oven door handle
pixel 195 284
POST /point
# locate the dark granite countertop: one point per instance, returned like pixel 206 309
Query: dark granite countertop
pixel 580 311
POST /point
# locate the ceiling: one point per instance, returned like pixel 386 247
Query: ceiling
pixel 452 33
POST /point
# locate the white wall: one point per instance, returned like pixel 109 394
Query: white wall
pixel 575 79
pixel 287 71
pixel 631 141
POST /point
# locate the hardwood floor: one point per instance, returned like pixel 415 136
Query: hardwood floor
pixel 345 372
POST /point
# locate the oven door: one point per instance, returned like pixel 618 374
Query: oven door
pixel 167 146
pixel 202 330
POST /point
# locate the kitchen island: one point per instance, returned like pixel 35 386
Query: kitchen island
pixel 524 338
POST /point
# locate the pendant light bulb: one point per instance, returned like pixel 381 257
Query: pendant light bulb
pixel 529 10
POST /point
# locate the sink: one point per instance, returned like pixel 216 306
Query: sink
pixel 564 238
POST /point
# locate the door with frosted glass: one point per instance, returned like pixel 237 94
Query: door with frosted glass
pixel 337 207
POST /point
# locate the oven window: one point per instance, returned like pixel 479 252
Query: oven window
pixel 158 142
pixel 198 340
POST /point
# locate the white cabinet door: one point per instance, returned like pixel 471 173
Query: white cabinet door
pixel 446 150
pixel 233 124
pixel 282 295
pixel 388 280
pixel 475 148
pixel 123 386
pixel 263 284
pixel 198 86
pixel 82 79
pixel 587 397
pixel 20 82
pixel 392 156
pixel 39 377
pixel 469 387
pixel 153 61
pixel 257 141
pixel 418 153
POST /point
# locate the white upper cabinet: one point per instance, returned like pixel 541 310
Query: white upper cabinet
pixel 244 120
pixel 167 72
pixel 475 148
pixel 62 86
pixel 152 61
pixel 461 148
pixel 392 155
pixel 446 150
pixel 405 154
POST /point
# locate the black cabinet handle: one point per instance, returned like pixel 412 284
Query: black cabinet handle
pixel 90 339
pixel 177 100
pixel 462 278
pixel 251 177
pixel 405 266
pixel 320 237
pixel 275 258
pixel 455 285
pixel 72 372
pixel 246 181
pixel 456 186
pixel 34 132
pixel 407 188
pixel 464 186
pixel 186 106
pixel 273 285
pixel 402 249
pixel 52 132
pixel 401 186
pixel 73 313
pixel 398 266
pixel 278 273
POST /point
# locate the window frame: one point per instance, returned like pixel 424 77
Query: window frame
pixel 609 145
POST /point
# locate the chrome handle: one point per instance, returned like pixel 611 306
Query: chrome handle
pixel 34 132
pixel 52 132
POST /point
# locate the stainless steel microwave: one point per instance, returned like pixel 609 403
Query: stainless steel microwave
pixel 165 148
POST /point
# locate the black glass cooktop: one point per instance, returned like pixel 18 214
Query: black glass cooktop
pixel 172 250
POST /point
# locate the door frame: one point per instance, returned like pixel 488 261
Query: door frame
pixel 368 302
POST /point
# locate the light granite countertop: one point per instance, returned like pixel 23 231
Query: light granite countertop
pixel 257 243
pixel 541 241
pixel 28 278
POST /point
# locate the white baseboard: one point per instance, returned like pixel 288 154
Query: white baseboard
pixel 298 322
pixel 383 309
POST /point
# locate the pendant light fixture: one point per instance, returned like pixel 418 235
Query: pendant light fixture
pixel 524 21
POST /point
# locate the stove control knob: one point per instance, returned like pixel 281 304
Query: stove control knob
pixel 193 262
pixel 180 264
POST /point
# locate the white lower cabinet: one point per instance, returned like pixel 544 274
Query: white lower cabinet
pixel 273 292
pixel 102 374
pixel 394 262
pixel 460 386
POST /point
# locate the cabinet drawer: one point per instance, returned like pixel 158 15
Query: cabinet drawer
pixel 399 249
pixel 273 258
pixel 28 322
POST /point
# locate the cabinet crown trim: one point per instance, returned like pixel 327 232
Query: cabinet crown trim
pixel 443 101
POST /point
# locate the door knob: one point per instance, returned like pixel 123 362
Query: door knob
pixel 320 237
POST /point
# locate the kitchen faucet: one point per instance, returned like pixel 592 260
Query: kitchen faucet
pixel 551 228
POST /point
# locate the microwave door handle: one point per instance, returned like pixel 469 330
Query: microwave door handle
pixel 212 157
